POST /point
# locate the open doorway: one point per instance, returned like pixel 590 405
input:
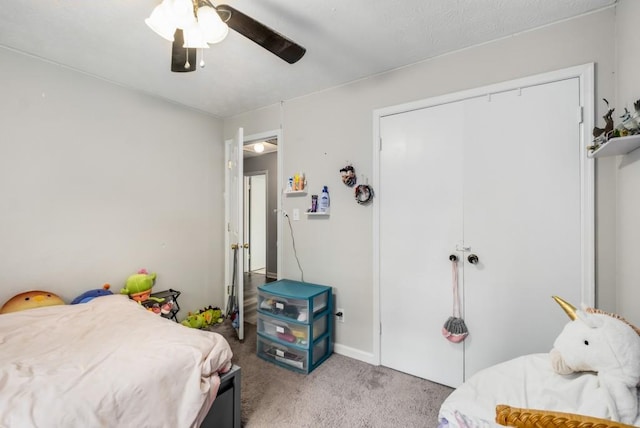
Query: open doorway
pixel 260 165
pixel 255 221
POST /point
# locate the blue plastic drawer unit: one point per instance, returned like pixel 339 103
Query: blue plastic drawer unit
pixel 295 324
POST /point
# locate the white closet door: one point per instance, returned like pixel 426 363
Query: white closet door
pixel 502 176
pixel 420 200
pixel 522 218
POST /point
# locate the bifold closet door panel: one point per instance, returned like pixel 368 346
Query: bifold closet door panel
pixel 522 218
pixel 420 199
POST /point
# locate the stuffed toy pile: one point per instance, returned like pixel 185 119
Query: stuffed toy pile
pixel 203 318
pixel 594 341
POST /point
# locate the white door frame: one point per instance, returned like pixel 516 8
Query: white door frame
pixel 279 177
pixel 585 73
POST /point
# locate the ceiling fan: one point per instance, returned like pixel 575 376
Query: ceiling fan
pixel 194 24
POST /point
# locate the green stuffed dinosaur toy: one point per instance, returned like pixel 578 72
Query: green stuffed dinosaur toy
pixel 203 318
pixel 194 321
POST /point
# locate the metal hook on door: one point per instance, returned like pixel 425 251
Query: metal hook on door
pixel 473 259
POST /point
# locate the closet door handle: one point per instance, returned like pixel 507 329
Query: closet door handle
pixel 473 259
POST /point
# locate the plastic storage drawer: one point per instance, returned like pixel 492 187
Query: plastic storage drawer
pixel 292 357
pixel 279 298
pixel 290 331
pixel 295 324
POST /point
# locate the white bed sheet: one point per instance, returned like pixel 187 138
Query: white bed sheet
pixel 525 382
pixel 106 363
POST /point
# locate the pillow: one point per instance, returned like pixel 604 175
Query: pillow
pixel 532 418
pixel 29 300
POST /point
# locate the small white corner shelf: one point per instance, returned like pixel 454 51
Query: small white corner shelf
pixel 295 192
pixel 617 146
pixel 317 214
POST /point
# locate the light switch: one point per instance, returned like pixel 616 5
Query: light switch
pixel 296 214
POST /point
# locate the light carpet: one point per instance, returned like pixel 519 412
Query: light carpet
pixel 341 392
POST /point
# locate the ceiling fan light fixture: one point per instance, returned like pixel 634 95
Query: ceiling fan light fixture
pixel 161 21
pixel 194 37
pixel 213 29
pixel 183 13
pixel 194 24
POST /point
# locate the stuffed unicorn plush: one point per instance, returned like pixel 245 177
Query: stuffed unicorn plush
pixel 607 345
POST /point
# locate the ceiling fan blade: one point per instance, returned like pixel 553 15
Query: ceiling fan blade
pixel 183 59
pixel 269 39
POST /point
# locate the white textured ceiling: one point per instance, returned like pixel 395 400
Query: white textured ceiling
pixel 345 40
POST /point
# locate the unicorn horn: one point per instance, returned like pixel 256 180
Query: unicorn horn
pixel 567 307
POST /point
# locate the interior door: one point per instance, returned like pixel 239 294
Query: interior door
pixel 246 220
pixel 522 218
pixel 234 241
pixel 420 201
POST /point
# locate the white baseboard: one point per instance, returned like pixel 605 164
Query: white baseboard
pixel 272 275
pixel 356 354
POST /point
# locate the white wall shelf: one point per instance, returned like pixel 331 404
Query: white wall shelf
pixel 295 192
pixel 617 146
pixel 317 214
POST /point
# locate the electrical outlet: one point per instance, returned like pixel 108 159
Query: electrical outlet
pixel 296 214
pixel 340 315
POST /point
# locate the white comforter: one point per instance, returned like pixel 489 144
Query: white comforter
pixel 105 363
pixel 526 382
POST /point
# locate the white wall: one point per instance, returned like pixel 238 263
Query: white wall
pixel 628 167
pixel 324 131
pixel 97 181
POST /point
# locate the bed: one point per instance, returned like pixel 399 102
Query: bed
pixel 110 362
pixel 526 382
